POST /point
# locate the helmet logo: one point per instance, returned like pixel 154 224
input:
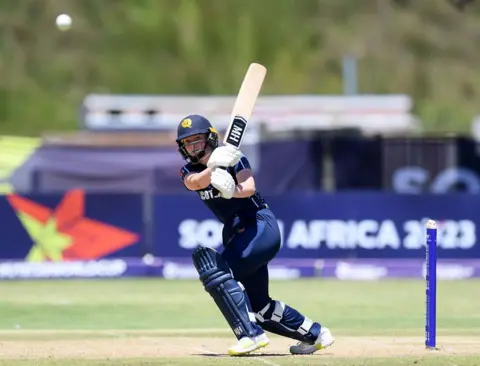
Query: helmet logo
pixel 187 123
pixel 211 129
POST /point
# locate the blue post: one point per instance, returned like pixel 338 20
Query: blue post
pixel 431 285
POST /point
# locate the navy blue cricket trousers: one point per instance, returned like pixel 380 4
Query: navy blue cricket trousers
pixel 250 243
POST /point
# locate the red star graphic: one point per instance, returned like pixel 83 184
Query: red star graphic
pixel 90 239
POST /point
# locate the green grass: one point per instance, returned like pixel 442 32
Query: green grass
pixel 156 304
pixel 138 322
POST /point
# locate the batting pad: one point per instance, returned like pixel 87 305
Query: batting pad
pixel 227 293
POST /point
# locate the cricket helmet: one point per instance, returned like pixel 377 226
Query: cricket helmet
pixel 191 125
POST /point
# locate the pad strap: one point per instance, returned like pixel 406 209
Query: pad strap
pixel 281 319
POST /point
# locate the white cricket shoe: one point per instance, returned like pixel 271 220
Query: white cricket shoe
pixel 246 345
pixel 324 340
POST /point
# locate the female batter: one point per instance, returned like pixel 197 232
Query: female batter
pixel 237 278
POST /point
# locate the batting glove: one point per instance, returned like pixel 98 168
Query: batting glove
pixel 223 182
pixel 224 156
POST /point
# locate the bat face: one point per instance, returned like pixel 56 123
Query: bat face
pixel 244 104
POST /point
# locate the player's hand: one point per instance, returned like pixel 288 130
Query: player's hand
pixel 224 156
pixel 223 182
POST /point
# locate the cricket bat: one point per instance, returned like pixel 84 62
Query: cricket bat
pixel 244 104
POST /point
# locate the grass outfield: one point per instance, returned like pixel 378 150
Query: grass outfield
pixel 156 322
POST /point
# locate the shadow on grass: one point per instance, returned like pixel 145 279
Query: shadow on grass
pixel 248 355
pixel 261 355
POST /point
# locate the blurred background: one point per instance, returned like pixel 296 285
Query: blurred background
pixel 367 125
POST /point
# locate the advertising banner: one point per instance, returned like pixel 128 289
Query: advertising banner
pixel 319 226
pixel 72 226
pixel 279 269
pixel 358 236
pixel 341 269
pixel 406 165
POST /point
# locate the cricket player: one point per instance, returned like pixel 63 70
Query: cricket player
pixel 237 278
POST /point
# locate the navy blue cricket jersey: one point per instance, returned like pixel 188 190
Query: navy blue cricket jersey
pixel 224 209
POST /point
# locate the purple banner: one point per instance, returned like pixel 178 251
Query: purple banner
pixel 282 166
pixel 359 269
pixel 280 269
pixel 406 165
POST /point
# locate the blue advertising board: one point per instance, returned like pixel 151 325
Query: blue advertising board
pixel 73 226
pixel 344 225
pixel 78 226
pixel 345 235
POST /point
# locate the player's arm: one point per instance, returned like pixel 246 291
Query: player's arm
pixel 195 181
pixel 245 184
pixel 245 181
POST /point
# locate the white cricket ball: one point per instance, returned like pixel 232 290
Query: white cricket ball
pixel 64 22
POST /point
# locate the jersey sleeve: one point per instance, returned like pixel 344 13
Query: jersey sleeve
pixel 183 172
pixel 187 169
pixel 241 165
